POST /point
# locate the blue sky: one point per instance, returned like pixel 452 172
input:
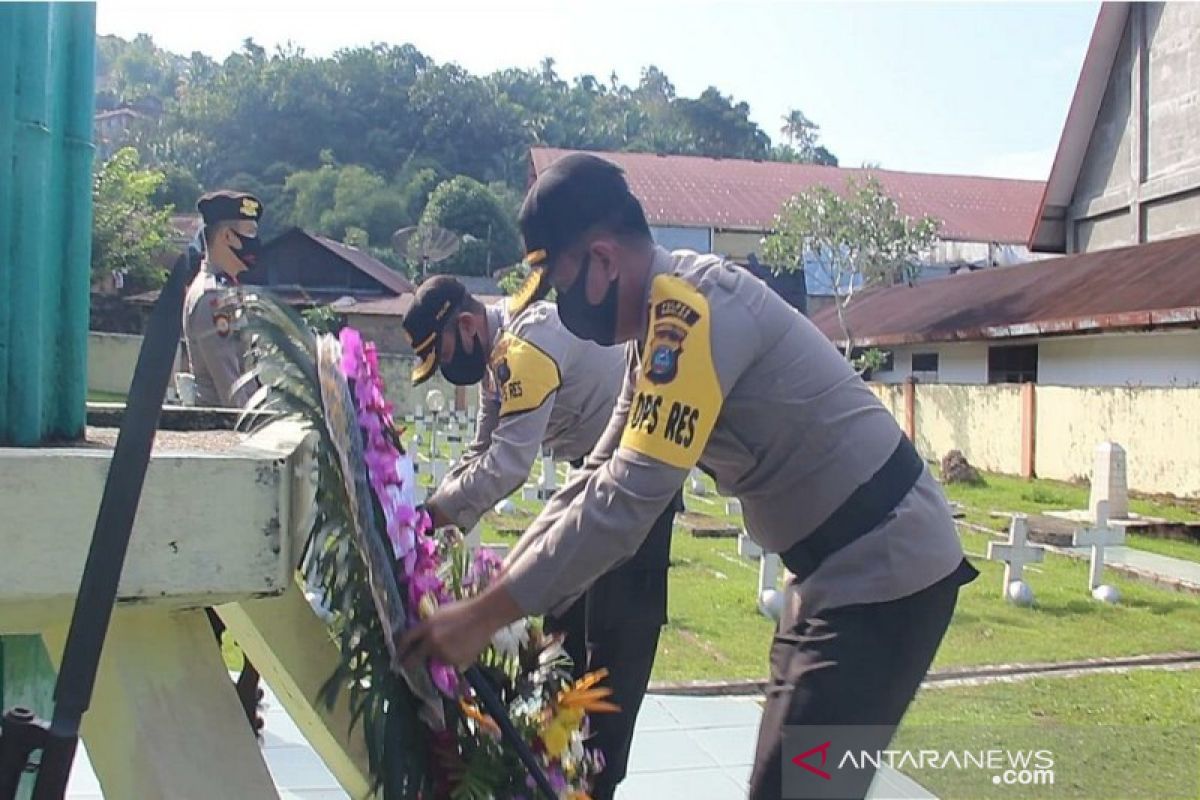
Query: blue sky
pixel 975 88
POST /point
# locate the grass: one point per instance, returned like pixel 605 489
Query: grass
pixel 716 633
pixel 1008 494
pixel 95 396
pixel 1131 735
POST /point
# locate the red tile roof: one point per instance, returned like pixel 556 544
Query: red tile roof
pixel 1130 288
pixel 746 195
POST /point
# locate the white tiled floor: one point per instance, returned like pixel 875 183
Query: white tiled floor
pixel 700 748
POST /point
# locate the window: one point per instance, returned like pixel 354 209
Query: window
pixel 925 365
pixel 1013 364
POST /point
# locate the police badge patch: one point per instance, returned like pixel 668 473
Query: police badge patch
pixel 665 351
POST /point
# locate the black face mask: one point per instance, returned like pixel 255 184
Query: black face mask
pixel 249 252
pixel 597 323
pixel 465 369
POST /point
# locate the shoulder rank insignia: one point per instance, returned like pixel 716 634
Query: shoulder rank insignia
pixel 524 375
pixel 677 396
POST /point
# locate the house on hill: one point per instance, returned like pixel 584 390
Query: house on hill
pixel 727 206
pixel 306 269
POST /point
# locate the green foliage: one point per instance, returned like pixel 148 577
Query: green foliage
pixel 179 189
pixel 332 200
pixel 856 239
pixel 870 360
pixel 397 111
pixel 322 319
pixel 129 233
pixel 467 207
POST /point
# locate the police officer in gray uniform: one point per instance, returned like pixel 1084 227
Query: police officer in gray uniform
pixel 215 349
pixel 540 386
pixel 722 372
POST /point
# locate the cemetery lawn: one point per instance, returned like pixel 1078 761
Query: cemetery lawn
pixel 715 631
pixel 94 396
pixel 1112 735
pixel 1005 493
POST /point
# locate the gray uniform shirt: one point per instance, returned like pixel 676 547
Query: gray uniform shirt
pixel 215 348
pixel 544 388
pixel 730 376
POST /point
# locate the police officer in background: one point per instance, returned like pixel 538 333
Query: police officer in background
pixel 722 372
pixel 215 350
pixel 540 386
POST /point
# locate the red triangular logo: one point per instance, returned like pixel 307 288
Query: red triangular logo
pixel 823 749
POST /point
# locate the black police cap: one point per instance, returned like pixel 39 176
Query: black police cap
pixel 228 206
pixel 435 301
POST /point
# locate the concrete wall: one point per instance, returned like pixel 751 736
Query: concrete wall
pixel 1138 359
pixel 1140 178
pixel 985 423
pixel 111 359
pixel 1146 359
pixel 1157 428
pixel 737 245
pixel 1052 431
pixel 958 362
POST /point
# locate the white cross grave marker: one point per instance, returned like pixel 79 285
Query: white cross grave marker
pixel 1016 552
pixel 1099 537
pixel 770 599
pixel 549 483
pixel 748 548
pixel 474 538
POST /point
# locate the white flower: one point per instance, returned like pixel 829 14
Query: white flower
pixel 509 640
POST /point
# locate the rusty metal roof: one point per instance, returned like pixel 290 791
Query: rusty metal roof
pixel 736 194
pixel 1131 288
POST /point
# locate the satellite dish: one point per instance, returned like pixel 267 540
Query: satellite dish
pixel 425 244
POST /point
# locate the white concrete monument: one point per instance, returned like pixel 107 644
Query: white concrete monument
pixel 733 507
pixel 1109 481
pixel 1099 537
pixel 1015 553
pixel 698 486
pixel 549 482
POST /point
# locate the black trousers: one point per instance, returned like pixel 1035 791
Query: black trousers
pixel 853 665
pixel 615 625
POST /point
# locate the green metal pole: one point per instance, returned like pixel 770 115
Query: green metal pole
pixel 47 77
pixel 46 88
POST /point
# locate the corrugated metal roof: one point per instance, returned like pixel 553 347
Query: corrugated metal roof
pixel 1146 286
pixel 364 262
pixel 746 195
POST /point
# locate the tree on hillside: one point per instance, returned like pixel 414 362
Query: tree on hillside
pixel 467 207
pixel 129 232
pixel 853 240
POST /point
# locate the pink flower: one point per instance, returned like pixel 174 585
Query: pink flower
pixel 444 677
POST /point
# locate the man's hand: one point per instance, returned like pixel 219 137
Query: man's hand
pixel 458 633
pixel 439 519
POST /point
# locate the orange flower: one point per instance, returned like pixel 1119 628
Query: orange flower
pixel 582 697
pixel 486 723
